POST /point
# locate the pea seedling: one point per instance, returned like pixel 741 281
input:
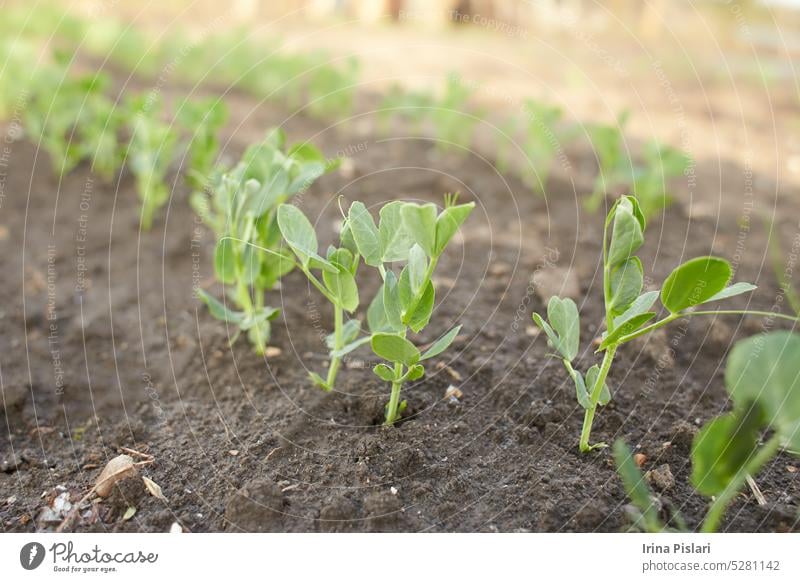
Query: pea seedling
pixel 414 106
pixel 615 164
pixel 661 164
pixel 242 211
pixel 414 234
pixel 331 90
pixel 338 285
pixel 452 123
pixel 628 312
pixel 762 377
pixel 150 153
pixel 203 119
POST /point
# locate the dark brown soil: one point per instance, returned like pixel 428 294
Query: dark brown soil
pixel 245 443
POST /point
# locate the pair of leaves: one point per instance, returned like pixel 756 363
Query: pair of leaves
pixel 431 232
pixel 396 348
pixel 628 231
pixel 337 270
pixel 584 387
pixel 563 330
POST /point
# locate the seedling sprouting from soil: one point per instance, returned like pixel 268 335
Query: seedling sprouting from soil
pixel 414 106
pixel 696 282
pixel 615 164
pixel 647 179
pixel 242 211
pixel 202 119
pixel 332 89
pixel 336 282
pixel 150 153
pixel 451 120
pixel 417 235
pixel 762 377
pixel 540 143
pixel 660 164
pixel 59 105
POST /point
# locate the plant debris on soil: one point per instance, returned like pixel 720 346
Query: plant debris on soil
pixel 106 350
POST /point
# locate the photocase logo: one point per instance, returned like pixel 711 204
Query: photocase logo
pixel 31 555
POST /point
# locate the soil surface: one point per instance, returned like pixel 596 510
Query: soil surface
pixel 104 346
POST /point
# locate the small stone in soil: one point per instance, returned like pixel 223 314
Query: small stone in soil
pixel 661 477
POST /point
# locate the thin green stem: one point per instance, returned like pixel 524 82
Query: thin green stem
pixel 720 504
pixel 674 316
pixel 338 344
pixel 394 399
pixel 594 398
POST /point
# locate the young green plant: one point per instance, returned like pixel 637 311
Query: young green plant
pixel 628 311
pixel 242 212
pixel 203 119
pixel 335 281
pixel 452 122
pixel 150 153
pixel 762 378
pixel 416 235
pixel 660 165
pixel 615 164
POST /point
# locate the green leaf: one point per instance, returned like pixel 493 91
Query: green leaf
pixel 392 306
pixel 417 268
pixel 441 344
pixel 626 284
pixel 766 369
pixel 564 318
pixel 448 223
pixel 219 310
pixel 591 378
pixel 351 346
pixel 298 232
pixel 628 235
pixel 384 372
pixel 349 332
pixel 395 348
pixel 732 291
pixel 580 389
pixel 695 282
pixel 396 241
pixel 342 286
pixel 251 264
pixel 423 310
pixel 629 326
pixel 365 233
pixel 415 373
pixel 723 447
pixel 420 222
pixel 636 487
pixel 552 337
pixel 225 261
pixel 644 302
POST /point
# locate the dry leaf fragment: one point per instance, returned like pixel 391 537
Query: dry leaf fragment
pixel 129 513
pixel 119 468
pixel 154 489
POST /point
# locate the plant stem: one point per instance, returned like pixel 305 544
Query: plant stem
pixel 394 399
pixel 757 461
pixel 674 316
pixel 338 344
pixel 594 397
